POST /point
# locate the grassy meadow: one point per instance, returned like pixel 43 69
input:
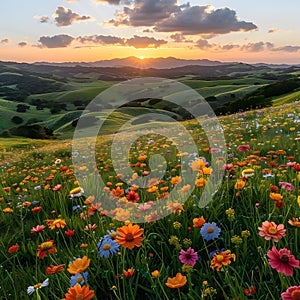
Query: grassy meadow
pixel 58 242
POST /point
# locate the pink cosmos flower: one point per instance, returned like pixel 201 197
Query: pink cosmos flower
pixel 292 293
pixel 188 257
pixel 282 261
pixel 286 185
pixel 271 230
pixel 243 148
pixel 37 229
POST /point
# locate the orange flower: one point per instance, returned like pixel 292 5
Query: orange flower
pixel 129 273
pixel 58 223
pixel 176 282
pixel 13 248
pixel 54 269
pixel 37 209
pixel 44 248
pixel 239 184
pixel 276 196
pixel 294 222
pixel 198 165
pixel 221 259
pixel 78 292
pixel 79 265
pixel 175 180
pixel 198 222
pixel 130 236
pixel 8 210
pixel 201 182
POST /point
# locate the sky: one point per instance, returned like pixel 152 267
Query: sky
pixel 91 30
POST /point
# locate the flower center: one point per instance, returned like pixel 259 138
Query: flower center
pixel 295 295
pixel 285 259
pixel 272 230
pixel 106 247
pixel 46 245
pixel 79 297
pixel 79 279
pixel 188 256
pixel 129 237
pixel 38 285
pixel 220 258
pixel 210 230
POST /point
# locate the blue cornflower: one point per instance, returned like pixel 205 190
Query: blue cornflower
pixel 80 278
pixel 212 253
pixel 210 231
pixel 35 202
pixel 107 247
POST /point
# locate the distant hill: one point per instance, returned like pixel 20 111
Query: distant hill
pixel 145 63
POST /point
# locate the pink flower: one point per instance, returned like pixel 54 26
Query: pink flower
pixel 286 185
pixel 292 293
pixel 188 257
pixel 37 229
pixel 271 230
pixel 283 261
pixel 228 166
pixel 243 148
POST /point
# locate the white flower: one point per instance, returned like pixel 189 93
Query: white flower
pixel 32 288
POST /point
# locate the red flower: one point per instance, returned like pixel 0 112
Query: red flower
pixel 133 196
pixel 46 248
pixel 54 269
pixel 129 273
pixel 13 248
pixel 70 232
pixel 36 209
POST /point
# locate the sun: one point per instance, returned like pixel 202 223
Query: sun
pixel 142 57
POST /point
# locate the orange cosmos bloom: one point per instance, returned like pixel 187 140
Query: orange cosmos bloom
pixel 37 209
pixel 8 210
pixel 221 259
pixel 130 236
pixel 78 292
pixel 176 282
pixel 198 165
pixel 198 222
pixel 54 269
pixel 276 197
pixel 46 248
pixel 79 265
pixel 58 223
pixel 175 180
pixel 201 182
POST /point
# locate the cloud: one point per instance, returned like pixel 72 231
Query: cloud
pixel 144 42
pixel 203 44
pixel 56 41
pixel 204 20
pixel 42 19
pixel 101 39
pixel 113 2
pixel 145 13
pixel 254 47
pixel 65 17
pixel 273 30
pixel 71 1
pixel 287 48
pixel 22 44
pixel 5 41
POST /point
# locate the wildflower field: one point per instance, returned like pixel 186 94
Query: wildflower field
pixel 58 242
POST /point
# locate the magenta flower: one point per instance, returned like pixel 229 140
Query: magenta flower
pixel 243 148
pixel 188 257
pixel 286 185
pixel 292 293
pixel 282 261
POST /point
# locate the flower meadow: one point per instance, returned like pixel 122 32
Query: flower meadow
pixel 58 242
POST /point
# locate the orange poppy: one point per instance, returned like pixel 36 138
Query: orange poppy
pixel 78 292
pixel 176 282
pixel 13 248
pixel 58 223
pixel 130 236
pixel 46 248
pixel 198 222
pixel 79 265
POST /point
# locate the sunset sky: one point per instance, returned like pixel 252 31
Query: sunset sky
pixel 91 30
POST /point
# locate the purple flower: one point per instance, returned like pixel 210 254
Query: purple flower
pixel 188 257
pixel 243 148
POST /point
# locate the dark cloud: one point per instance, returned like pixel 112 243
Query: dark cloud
pixel 22 44
pixel 203 44
pixel 273 30
pixel 146 13
pixel 287 48
pixel 42 19
pixel 65 17
pixel 5 41
pixel 254 47
pixel 101 39
pixel 144 42
pixel 56 41
pixel 204 20
pixel 114 2
pixel 180 38
pixel 229 47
